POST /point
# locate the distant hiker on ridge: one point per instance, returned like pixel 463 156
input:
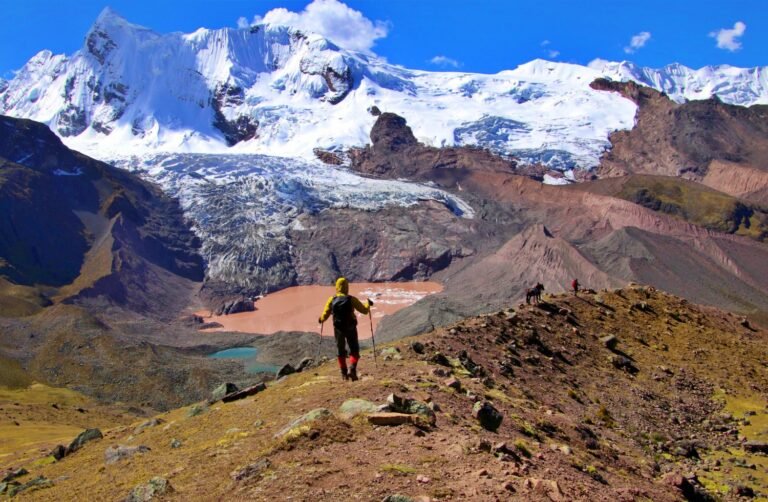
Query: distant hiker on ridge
pixel 343 305
pixel 575 287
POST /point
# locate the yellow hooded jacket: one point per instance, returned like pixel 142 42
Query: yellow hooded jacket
pixel 342 289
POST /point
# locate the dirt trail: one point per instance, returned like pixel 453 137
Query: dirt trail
pixel 297 308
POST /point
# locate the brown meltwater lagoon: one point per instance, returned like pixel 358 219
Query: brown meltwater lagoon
pixel 297 308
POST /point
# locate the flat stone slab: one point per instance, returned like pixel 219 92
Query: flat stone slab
pixel 389 418
pixel 248 391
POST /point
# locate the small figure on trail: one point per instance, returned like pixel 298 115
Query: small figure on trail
pixel 575 287
pixel 343 305
pixel 534 294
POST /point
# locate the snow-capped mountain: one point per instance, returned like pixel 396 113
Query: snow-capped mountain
pixel 738 86
pixel 276 90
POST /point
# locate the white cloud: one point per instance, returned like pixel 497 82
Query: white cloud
pixel 445 61
pixel 553 54
pixel 242 22
pixel 335 20
pixel 545 43
pixel 637 42
pixel 727 38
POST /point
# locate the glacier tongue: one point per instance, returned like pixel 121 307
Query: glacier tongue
pixel 243 206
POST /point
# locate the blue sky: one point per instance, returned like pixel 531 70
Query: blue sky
pixel 471 35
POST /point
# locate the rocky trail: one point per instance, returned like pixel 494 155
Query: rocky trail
pixel 627 394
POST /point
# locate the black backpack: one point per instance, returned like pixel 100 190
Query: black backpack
pixel 343 312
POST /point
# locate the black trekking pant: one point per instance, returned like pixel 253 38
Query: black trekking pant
pixel 345 337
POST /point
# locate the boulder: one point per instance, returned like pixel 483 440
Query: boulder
pixel 116 453
pixel 285 370
pixel 391 354
pixel 146 425
pixel 389 418
pixel 609 341
pixel 354 407
pixel 156 487
pixel 417 347
pixel 440 359
pixel 304 364
pixel 412 407
pixel 623 363
pixel 222 390
pixel 37 483
pixel 489 417
pixel 316 414
pixel 251 470
pixel 756 447
pixel 248 391
pixel 453 383
pixel 59 452
pixel 14 474
pixel 82 438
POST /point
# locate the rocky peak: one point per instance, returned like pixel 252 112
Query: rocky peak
pixel 391 133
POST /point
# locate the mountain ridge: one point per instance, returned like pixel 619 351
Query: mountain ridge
pixel 275 90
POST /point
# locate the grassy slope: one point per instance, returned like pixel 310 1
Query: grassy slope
pixel 687 200
pixel 30 424
pixel 694 365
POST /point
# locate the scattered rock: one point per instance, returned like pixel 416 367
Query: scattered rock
pixel 82 438
pixel 38 483
pixel 149 423
pixel 248 391
pixel 422 479
pixel 222 390
pixel 15 474
pixel 116 453
pixel 305 364
pixel 175 443
pixel 196 409
pixel 609 341
pixel 489 417
pixel 389 418
pixel 316 414
pixel 391 354
pixel 59 452
pixel 354 407
pixel 453 383
pixel 544 488
pixel 755 447
pixel 417 347
pixel 285 370
pixel 440 372
pixel 397 498
pixel 156 486
pixel 622 363
pixel 251 470
pixel 412 407
pixel 744 491
pixel 508 486
pixel 440 359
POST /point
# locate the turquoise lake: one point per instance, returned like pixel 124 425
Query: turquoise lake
pixel 248 355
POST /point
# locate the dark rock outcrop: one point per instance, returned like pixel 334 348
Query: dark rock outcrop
pixel 688 139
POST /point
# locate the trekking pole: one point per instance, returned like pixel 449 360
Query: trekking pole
pixel 370 318
pixel 319 345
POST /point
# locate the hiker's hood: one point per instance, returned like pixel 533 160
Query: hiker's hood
pixel 342 286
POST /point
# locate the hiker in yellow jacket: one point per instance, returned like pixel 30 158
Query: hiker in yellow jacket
pixel 343 305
